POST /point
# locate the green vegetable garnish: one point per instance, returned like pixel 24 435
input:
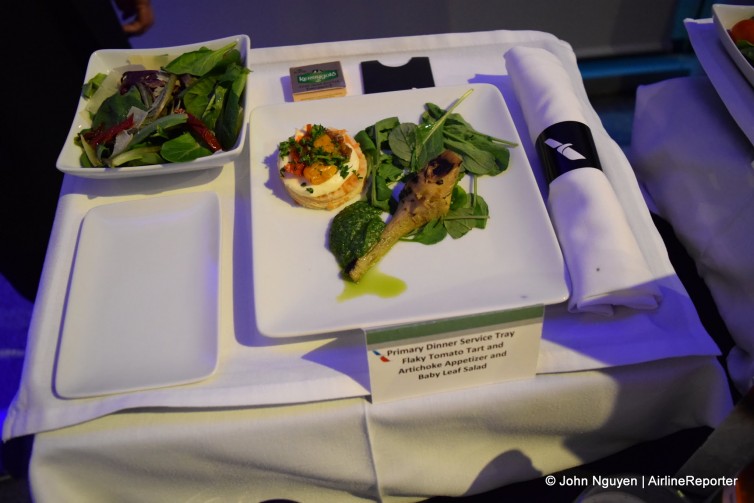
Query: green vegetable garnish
pixel 394 150
pixel 92 85
pixel 310 149
pixel 199 62
pixel 354 231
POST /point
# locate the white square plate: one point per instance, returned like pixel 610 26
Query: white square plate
pixel 514 262
pixel 142 307
pixel 105 60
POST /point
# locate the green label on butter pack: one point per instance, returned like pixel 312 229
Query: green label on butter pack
pixel 322 78
pixel 317 76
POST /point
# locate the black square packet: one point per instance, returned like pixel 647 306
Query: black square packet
pixel 378 78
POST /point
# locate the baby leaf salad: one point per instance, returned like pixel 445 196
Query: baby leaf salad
pixel 396 150
pixel 189 108
pixel 743 35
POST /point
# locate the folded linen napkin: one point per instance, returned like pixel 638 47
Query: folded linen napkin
pixel 605 264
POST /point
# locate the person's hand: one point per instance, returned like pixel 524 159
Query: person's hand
pixel 141 11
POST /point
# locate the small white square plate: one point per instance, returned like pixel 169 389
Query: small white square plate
pixel 514 262
pixel 142 306
pixel 103 61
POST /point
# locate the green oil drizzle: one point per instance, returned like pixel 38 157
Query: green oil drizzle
pixel 374 282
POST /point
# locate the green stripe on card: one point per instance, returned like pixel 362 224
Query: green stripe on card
pixel 452 326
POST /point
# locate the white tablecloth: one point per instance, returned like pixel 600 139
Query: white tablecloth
pixel 278 420
pixel 347 450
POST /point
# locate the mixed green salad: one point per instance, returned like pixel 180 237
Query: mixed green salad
pixel 742 34
pixel 188 108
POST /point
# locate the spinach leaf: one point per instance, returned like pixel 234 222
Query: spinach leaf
pixel 115 109
pixel 467 211
pixel 747 49
pixel 230 121
pixel 433 232
pixel 197 97
pixel 382 193
pixel 402 141
pixel 230 60
pixel 381 170
pixel 415 145
pixel 228 124
pixel 475 160
pixel 388 171
pixel 459 222
pixel 462 219
pixel 483 154
pixel 214 107
pixel 199 62
pixel 431 113
pixel 183 148
pixel 381 131
pixel 158 127
pixel 502 155
pixel 91 86
pixel 459 198
pixel 137 156
pixel 481 211
pixel 235 75
pixel 368 148
pixel 429 144
pixel 201 92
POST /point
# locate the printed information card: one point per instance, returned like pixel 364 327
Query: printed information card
pixel 453 353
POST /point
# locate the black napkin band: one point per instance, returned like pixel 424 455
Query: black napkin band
pixel 566 146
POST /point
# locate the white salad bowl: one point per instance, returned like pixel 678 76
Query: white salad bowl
pixel 104 61
pixel 725 16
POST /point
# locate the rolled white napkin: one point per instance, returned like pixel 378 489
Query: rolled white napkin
pixel 604 261
pixel 605 264
pixel 543 89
